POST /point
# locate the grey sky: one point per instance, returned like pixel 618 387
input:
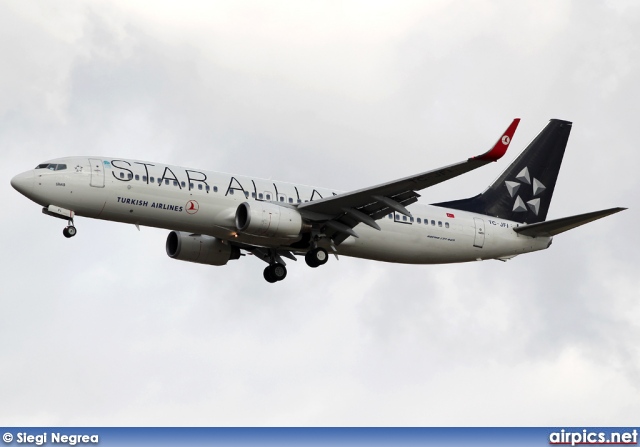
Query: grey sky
pixel 105 329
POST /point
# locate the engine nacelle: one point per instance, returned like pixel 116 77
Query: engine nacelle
pixel 268 220
pixel 200 248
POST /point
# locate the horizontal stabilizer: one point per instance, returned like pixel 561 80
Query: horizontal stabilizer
pixel 557 226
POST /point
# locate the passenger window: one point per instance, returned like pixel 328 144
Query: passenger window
pixel 61 167
pixel 246 194
pixel 253 195
pixel 290 200
pixel 160 181
pixel 439 223
pixel 152 179
pixel 433 222
pixel 231 191
pixel 184 185
pixel 281 199
pixel 122 175
pixel 207 188
pixel 299 201
pixel 215 189
pixel 260 196
pixel 199 186
pixel 411 219
pixel 144 178
pixel 175 183
pixel 130 176
pixel 419 221
pixel 446 224
pixel 137 177
pixel 268 196
pixel 166 181
pixel 404 218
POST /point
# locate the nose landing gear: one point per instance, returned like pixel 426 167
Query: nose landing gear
pixel 62 213
pixel 69 231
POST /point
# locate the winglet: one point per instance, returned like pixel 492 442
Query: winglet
pixel 501 146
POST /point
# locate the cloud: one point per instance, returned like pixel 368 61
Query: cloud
pixel 105 329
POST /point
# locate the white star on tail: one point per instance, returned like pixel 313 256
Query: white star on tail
pixel 524 177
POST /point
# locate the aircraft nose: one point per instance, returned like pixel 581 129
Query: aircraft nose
pixel 23 183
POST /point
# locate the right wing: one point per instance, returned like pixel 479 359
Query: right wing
pixel 342 212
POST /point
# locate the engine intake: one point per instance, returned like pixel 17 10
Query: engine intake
pixel 200 248
pixel 268 220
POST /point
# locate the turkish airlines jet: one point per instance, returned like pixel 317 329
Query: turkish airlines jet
pixel 216 217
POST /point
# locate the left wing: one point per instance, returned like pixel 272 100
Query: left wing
pixel 341 213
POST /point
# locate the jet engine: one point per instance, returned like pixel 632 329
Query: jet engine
pixel 269 220
pixel 200 248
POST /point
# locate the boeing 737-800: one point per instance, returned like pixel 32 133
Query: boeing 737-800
pixel 215 217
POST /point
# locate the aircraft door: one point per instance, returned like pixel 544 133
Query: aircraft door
pixel 97 172
pixel 478 241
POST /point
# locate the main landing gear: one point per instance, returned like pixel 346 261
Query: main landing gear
pixel 275 272
pixel 316 257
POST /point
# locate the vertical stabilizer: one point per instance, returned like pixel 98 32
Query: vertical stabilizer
pixel 523 192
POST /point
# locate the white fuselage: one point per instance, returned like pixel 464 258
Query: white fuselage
pixel 205 202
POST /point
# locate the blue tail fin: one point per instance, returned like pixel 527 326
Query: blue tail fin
pixel 523 192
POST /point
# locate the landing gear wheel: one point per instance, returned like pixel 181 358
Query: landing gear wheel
pixel 268 276
pixel 278 271
pixel 275 272
pixel 69 231
pixel 316 257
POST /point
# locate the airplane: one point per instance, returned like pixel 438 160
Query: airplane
pixel 215 217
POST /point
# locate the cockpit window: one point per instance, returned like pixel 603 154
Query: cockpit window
pixel 52 166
